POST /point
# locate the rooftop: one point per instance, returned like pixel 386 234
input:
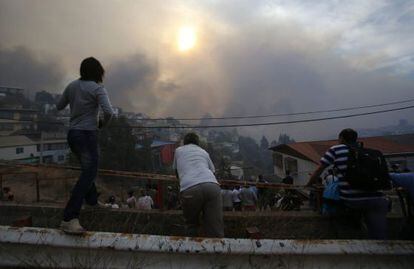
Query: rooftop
pixel 313 150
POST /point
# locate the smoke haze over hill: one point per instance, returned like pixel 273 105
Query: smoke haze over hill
pixel 251 57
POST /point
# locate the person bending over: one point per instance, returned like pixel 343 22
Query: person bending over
pixel 199 190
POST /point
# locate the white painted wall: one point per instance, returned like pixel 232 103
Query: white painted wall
pixel 9 153
pixel 304 168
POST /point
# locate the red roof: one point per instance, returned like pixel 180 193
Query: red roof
pixel 313 150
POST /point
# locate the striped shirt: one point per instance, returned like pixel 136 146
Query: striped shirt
pixel 338 157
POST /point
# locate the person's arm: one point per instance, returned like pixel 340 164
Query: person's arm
pixel 105 105
pixel 327 160
pixel 63 101
pixel 316 174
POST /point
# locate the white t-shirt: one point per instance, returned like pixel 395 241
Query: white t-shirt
pixel 235 196
pixel 194 166
pixel 145 203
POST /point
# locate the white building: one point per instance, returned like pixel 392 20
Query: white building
pixel 14 119
pixel 302 158
pixel 26 150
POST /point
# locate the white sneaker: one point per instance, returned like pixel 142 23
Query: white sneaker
pixel 72 227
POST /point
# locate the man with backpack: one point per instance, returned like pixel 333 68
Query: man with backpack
pixel 362 174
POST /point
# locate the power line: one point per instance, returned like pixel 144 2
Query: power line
pixel 272 123
pixel 283 114
pixel 247 124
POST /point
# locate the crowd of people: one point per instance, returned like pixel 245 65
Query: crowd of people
pixel 144 199
pixel 201 197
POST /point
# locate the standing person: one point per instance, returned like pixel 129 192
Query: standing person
pixel 372 203
pixel 131 200
pixel 288 179
pixel 172 199
pixel 145 202
pixel 262 193
pixel 236 199
pixel 199 189
pixel 248 198
pixel 84 96
pixel 227 196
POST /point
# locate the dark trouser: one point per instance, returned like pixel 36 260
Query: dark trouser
pixel 203 198
pixel 84 145
pixel 237 206
pixel 374 212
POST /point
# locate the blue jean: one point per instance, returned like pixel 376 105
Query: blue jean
pixel 84 145
pixel 374 212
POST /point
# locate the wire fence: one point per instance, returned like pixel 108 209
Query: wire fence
pixel 62 177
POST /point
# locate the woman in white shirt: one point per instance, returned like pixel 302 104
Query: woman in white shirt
pixel 199 189
pixel 145 202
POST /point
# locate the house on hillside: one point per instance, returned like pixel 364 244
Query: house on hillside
pixel 162 153
pixel 26 150
pixel 303 157
pixel 14 119
pixel 10 91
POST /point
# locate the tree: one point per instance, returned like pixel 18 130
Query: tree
pixel 264 143
pixel 250 153
pixel 118 147
pixel 285 139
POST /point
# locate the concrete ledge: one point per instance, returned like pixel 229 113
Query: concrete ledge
pixel 41 247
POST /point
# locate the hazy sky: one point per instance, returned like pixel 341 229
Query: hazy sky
pixel 250 57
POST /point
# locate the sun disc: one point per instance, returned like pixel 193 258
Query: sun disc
pixel 186 38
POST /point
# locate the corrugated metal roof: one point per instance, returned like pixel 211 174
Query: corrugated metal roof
pixel 313 150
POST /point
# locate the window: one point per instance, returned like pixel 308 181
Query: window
pixel 278 160
pixel 19 150
pixel 61 158
pixel 4 114
pixel 291 165
pixel 6 126
pixel 55 146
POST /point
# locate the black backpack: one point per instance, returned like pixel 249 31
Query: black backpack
pixel 367 169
